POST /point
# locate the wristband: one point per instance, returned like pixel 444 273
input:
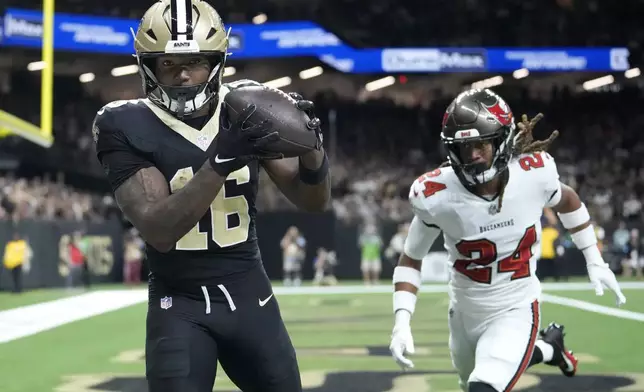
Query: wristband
pixel 316 176
pixel 584 238
pixel 404 300
pixel 402 318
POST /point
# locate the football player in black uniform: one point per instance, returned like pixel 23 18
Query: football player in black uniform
pixel 187 180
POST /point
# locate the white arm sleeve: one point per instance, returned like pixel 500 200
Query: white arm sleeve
pixel 420 239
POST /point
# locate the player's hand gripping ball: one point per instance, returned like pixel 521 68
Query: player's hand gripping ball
pixel 290 116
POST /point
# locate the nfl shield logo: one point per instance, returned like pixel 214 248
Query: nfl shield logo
pixel 203 142
pixel 166 302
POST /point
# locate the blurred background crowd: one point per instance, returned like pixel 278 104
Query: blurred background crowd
pixel 381 147
pixel 378 142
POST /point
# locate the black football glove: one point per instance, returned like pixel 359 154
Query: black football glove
pixel 314 123
pixel 237 144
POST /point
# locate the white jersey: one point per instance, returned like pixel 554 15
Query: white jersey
pixel 493 253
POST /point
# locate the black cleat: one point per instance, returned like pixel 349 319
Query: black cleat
pixel 553 334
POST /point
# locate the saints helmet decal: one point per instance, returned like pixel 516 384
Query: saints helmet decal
pixel 181 27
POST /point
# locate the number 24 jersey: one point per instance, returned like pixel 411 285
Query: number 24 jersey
pixel 493 254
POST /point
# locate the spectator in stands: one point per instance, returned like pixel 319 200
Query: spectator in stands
pixel 632 208
pixel 38 198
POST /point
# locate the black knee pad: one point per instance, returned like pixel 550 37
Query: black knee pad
pixel 480 387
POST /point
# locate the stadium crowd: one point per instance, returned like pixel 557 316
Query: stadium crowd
pixel 381 149
pixel 42 198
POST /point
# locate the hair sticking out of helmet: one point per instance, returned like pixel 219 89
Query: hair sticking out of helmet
pixel 524 142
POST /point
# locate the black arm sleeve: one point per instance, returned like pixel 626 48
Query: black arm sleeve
pixel 119 158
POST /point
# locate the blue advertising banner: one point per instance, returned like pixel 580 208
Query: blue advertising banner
pixel 296 39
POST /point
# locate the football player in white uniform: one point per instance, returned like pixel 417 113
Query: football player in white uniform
pixel 487 200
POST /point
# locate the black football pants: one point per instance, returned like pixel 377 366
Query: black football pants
pixel 239 328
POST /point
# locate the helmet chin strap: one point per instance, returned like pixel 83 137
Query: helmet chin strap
pixel 480 168
pixel 181 106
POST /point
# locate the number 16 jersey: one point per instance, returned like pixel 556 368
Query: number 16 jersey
pixel 136 134
pixel 493 253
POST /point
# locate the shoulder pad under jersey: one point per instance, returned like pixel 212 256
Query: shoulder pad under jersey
pixel 541 169
pixel 425 191
pixel 110 115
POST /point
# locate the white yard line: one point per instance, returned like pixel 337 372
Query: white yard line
pixel 591 307
pixel 429 288
pixel 29 320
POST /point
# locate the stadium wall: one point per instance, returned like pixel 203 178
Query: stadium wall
pixel 46 269
pixel 105 248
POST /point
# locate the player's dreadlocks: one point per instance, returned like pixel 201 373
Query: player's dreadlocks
pixel 524 143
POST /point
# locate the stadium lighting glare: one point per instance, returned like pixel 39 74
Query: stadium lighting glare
pixel 632 73
pixel 87 77
pixel 311 72
pixel 380 83
pixel 599 82
pixel 260 18
pixel 36 66
pixel 278 83
pixel 521 73
pixel 126 70
pixel 487 83
pixel 229 71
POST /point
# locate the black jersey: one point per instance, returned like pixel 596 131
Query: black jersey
pixel 136 134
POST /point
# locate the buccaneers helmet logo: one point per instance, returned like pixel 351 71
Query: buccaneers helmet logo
pixel 501 112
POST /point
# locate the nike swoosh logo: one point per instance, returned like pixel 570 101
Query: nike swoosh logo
pixel 262 303
pixel 220 160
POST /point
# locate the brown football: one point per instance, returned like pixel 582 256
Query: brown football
pixel 278 108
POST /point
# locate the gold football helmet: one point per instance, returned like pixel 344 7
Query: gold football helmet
pixel 181 27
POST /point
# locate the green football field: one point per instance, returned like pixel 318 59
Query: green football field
pixel 341 340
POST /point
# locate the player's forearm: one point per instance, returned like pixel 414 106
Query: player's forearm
pixel 163 221
pixel 575 218
pixel 311 188
pixel 569 204
pixel 171 219
pixel 407 262
pixel 407 277
pixel 406 283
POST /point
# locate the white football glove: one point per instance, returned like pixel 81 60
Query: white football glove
pixel 600 275
pixel 402 343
